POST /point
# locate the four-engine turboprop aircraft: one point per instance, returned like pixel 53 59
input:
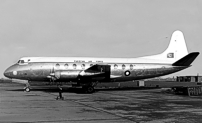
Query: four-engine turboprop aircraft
pixel 87 71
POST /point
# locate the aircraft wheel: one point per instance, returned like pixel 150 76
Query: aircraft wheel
pixel 89 89
pixel 27 89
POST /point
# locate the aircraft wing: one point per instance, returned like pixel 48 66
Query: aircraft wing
pixel 97 70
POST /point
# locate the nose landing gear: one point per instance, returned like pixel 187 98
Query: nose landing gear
pixel 27 88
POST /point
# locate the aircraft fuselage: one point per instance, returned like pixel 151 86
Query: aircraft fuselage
pixel 118 71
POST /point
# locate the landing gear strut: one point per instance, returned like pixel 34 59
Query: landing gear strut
pixel 89 88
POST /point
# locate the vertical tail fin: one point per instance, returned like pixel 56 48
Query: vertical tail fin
pixel 176 50
pixel 177 47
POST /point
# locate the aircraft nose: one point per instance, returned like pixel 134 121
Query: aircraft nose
pixel 9 72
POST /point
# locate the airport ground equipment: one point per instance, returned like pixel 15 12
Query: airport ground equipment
pixel 189 78
pixel 188 90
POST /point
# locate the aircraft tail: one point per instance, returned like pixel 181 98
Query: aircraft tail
pixel 177 47
pixel 176 50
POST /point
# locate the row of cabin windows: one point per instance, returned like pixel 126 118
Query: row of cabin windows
pixel 123 66
pixel 74 66
pixel 83 66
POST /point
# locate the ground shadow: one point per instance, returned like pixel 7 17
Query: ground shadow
pixel 80 90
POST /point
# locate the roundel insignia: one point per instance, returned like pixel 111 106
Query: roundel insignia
pixel 127 73
pixel 14 72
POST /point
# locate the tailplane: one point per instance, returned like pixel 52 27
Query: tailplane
pixel 187 60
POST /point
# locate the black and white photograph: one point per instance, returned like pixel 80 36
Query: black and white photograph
pixel 100 61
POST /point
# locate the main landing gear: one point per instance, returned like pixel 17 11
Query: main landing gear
pixel 89 88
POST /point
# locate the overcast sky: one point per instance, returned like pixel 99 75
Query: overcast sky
pixel 97 28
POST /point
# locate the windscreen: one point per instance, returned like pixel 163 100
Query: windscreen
pixel 21 62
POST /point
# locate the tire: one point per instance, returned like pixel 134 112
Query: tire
pixel 89 89
pixel 27 89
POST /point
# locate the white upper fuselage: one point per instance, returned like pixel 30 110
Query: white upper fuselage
pixel 94 60
pixel 42 68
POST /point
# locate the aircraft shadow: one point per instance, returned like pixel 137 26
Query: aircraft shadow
pixel 81 91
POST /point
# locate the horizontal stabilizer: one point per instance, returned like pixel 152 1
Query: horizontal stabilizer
pixel 187 60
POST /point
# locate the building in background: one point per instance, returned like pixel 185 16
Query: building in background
pixel 189 79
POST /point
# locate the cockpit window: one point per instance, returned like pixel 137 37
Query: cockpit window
pixel 21 61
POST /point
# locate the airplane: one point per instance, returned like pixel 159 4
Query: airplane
pixel 86 72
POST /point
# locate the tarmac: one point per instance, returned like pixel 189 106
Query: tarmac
pixel 103 106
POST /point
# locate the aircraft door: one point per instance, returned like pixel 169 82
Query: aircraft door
pixel 106 69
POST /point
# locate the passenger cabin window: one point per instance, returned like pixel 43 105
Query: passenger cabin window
pixel 131 67
pixel 115 66
pixel 57 65
pixel 123 66
pixel 66 66
pixel 83 66
pixel 74 66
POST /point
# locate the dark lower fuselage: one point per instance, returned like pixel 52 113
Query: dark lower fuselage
pixel 135 71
